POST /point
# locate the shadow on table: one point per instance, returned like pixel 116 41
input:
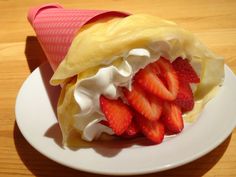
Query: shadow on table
pixel 41 166
pixel 36 58
pixel 34 53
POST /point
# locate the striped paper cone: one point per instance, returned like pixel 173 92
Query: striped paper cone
pixel 56 27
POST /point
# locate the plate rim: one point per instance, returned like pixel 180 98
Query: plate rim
pixel 138 172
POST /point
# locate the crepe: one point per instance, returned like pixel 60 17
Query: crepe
pixel 102 44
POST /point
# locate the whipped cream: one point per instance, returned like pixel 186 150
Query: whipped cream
pixel 107 82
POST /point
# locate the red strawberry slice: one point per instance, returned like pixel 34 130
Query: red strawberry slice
pixel 132 131
pixel 172 117
pixel 185 98
pixel 155 68
pixel 117 113
pixel 185 71
pixel 153 130
pixel 149 80
pixel 148 106
pixel 169 74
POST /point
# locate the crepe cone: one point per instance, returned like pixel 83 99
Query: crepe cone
pixel 56 27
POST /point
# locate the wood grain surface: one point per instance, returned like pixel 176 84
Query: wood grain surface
pixel 213 21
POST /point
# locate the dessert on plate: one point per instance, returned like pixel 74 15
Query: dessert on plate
pixel 124 75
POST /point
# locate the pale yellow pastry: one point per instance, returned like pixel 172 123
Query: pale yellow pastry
pixel 118 42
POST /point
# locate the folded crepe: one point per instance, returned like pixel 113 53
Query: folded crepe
pixel 106 53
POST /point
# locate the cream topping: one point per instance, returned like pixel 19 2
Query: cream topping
pixel 107 82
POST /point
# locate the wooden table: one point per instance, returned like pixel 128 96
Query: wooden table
pixel 213 21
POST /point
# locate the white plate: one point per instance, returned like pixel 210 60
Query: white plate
pixel 36 119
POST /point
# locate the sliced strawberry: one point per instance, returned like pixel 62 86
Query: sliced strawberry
pixel 149 80
pixel 185 98
pixel 172 117
pixel 148 106
pixel 170 75
pixel 132 131
pixel 153 130
pixel 117 113
pixel 185 71
pixel 155 68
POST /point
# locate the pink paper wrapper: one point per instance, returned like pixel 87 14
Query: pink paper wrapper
pixel 56 27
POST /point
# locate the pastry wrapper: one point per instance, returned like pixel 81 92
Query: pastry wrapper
pixel 106 43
